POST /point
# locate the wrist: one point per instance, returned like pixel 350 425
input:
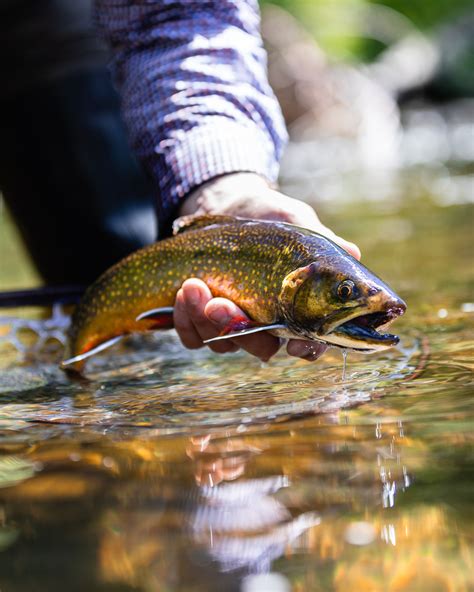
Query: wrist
pixel 221 193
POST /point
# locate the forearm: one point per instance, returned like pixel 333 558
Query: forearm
pixel 194 91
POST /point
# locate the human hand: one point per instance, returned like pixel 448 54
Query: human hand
pixel 217 460
pixel 198 316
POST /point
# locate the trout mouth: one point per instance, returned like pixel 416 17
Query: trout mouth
pixel 365 332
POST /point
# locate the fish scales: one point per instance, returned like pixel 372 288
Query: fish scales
pixel 237 261
pixel 245 261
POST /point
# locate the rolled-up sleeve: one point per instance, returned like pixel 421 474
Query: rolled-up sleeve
pixel 195 95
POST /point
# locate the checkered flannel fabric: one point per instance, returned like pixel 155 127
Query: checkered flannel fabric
pixel 195 96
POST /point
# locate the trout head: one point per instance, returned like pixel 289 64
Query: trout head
pixel 340 303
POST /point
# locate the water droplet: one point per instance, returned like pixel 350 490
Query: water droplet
pixel 344 364
pixel 38 466
pixel 388 534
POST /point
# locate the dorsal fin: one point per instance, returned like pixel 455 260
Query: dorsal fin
pixel 193 222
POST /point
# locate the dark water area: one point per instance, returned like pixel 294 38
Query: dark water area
pixel 184 471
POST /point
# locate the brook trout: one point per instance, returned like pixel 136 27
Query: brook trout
pixel 290 281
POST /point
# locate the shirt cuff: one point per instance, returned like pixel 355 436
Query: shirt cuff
pixel 188 159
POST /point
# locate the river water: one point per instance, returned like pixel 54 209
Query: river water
pixel 173 470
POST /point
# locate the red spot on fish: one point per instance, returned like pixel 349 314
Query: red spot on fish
pixel 163 321
pixel 237 323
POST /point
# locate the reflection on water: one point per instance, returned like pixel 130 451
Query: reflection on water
pixel 175 470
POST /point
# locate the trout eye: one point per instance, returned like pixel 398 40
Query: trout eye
pixel 346 290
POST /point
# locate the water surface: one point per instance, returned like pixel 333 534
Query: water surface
pixel 184 471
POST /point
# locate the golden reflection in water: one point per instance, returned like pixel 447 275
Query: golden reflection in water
pixel 328 495
pixel 223 483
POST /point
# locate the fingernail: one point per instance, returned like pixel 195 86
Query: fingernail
pixel 219 315
pixel 352 248
pixel 356 251
pixel 192 296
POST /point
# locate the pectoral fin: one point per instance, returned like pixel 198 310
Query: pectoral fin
pixel 91 352
pixel 163 316
pixel 240 326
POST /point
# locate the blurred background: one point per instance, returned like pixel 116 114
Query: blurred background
pixel 378 99
pixel 372 88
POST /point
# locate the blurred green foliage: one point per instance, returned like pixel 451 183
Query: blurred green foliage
pixel 359 29
pixel 16 269
pixel 426 14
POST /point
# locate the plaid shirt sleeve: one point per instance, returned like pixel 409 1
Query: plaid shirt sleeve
pixel 195 96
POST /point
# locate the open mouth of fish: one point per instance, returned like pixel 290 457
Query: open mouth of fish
pixel 366 331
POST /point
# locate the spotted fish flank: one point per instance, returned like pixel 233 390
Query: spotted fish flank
pixel 287 279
